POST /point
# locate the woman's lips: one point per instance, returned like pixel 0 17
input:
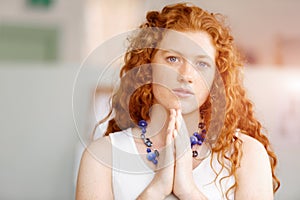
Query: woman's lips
pixel 183 93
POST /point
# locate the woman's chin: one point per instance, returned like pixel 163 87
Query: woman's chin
pixel 187 108
pixel 170 106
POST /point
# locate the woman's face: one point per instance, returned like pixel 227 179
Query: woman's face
pixel 183 70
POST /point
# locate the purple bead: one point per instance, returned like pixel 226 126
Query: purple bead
pixel 204 131
pixel 143 130
pixel 151 156
pixel 193 140
pixel 148 150
pixel 143 124
pixel 196 133
pixel 200 142
pixel 201 139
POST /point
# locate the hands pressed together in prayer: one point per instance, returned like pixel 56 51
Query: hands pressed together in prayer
pixel 175 167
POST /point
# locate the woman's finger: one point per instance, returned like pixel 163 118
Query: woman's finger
pixel 178 120
pixel 167 155
pixel 172 120
pixel 182 141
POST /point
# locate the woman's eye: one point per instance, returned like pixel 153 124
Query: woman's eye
pixel 172 59
pixel 202 64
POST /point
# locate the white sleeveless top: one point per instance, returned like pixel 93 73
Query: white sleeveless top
pixel 131 175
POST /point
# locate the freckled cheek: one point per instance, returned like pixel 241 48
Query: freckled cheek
pixel 163 74
pixel 163 80
pixel 201 91
pixel 165 96
pixel 204 80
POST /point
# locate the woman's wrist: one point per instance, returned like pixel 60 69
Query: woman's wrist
pixel 153 191
pixel 192 193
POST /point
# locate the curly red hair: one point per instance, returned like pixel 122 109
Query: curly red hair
pixel 133 99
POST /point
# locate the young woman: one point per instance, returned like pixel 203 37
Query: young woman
pixel 182 126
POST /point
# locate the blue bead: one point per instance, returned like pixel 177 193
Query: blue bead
pixel 154 161
pixel 193 140
pixel 151 156
pixel 195 134
pixel 204 131
pixel 198 136
pixel 148 150
pixel 143 130
pixel 143 124
pixel 200 142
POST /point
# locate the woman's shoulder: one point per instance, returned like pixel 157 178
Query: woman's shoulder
pixel 95 171
pixel 251 145
pixel 99 142
pixel 254 173
pixel 99 150
pixel 252 149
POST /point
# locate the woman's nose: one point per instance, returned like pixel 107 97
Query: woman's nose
pixel 185 72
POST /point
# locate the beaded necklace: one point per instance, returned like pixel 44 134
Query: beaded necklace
pixel 152 154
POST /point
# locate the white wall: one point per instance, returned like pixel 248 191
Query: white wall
pixel 37 133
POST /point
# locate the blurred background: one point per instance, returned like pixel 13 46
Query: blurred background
pixel 51 96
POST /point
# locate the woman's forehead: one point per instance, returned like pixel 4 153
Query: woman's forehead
pixel 189 44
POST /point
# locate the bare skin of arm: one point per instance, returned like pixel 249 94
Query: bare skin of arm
pixel 254 175
pixel 94 177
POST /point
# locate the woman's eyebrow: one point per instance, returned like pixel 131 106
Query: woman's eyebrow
pixel 170 51
pixel 179 53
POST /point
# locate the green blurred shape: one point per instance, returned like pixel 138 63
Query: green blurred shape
pixel 44 3
pixel 25 43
